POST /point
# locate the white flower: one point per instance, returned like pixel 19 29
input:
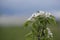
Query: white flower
pixel 40 13
pixel 29 18
pixel 33 15
pixel 49 33
pixel 47 14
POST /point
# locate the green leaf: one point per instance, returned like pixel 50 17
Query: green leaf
pixel 29 34
pixel 27 23
pixel 34 26
pixel 51 21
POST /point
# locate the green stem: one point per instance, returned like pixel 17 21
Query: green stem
pixel 38 36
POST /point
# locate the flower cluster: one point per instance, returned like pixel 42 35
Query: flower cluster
pixel 39 18
pixel 40 13
pixel 44 14
pixel 49 33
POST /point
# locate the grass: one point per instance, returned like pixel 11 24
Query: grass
pixel 18 32
pixel 12 33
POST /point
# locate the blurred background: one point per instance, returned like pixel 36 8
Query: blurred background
pixel 13 14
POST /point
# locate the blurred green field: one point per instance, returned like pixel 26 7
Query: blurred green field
pixel 18 32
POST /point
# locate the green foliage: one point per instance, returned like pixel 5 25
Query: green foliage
pixel 38 26
pixel 51 20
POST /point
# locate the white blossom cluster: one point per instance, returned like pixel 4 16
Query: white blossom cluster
pixel 49 33
pixel 40 13
pixel 45 14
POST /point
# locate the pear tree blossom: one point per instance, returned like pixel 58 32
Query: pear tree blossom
pixel 49 33
pixel 41 13
pixel 39 22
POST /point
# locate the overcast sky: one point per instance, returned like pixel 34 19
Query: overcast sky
pixel 19 9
